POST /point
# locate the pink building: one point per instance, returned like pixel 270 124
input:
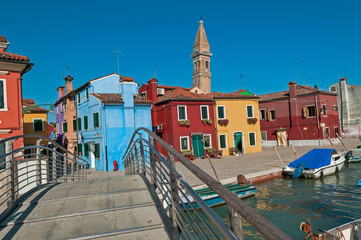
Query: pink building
pixel 301 116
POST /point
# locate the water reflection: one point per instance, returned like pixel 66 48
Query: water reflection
pixel 286 202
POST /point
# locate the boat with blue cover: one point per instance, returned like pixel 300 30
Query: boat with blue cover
pixel 316 163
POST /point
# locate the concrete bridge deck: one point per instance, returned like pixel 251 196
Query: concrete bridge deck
pixel 106 206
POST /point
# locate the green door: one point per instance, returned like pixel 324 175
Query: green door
pixel 197 144
pixel 237 140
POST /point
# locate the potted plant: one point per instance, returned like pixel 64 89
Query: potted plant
pixel 223 122
pixel 188 154
pixel 184 123
pixel 252 120
pixel 207 121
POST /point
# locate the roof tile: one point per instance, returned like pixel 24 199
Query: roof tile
pixel 182 94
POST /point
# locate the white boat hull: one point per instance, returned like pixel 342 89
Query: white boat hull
pixel 348 231
pixel 335 166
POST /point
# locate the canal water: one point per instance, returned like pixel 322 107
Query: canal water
pixel 286 202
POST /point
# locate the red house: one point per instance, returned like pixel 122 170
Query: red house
pixel 300 116
pixel 12 67
pixel 182 118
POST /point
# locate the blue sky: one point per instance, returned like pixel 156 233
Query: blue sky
pixel 262 40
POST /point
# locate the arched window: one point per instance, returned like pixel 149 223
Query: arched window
pixel 195 65
pixel 206 64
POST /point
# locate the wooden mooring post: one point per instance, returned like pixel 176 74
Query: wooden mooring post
pixel 274 148
pixel 235 222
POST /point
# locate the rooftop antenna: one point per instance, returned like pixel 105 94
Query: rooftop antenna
pixel 241 81
pixel 296 70
pixel 309 81
pixel 68 69
pixel 155 72
pixel 345 72
pixel 235 80
pixel 117 52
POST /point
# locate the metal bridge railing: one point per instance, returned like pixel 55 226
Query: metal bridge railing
pixel 25 168
pixel 193 218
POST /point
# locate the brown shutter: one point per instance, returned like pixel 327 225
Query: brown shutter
pixel 268 115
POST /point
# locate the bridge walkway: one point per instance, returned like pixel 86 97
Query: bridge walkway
pixel 106 206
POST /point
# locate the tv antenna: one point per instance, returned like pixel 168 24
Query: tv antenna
pixel 68 69
pixel 241 81
pixel 296 70
pixel 117 52
pixel 345 72
pixel 155 72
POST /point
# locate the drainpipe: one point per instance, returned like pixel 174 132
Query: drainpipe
pixel 341 107
pixel 170 125
pixel 215 122
pixel 318 120
pixel 104 137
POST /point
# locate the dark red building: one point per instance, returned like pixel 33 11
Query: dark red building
pixel 300 116
pixel 182 118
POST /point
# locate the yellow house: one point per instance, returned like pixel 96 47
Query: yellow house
pixel 237 122
pixel 34 121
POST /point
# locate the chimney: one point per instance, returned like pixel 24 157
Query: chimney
pixel 292 88
pixel 343 80
pixel 3 44
pixel 60 91
pixel 69 84
pixel 153 88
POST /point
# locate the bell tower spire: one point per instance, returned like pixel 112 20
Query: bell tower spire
pixel 201 61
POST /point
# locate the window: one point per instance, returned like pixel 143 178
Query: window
pixel 221 112
pixel 3 159
pixel 86 122
pixel 333 89
pixel 86 149
pixel 144 94
pixel 57 128
pixel 80 149
pixel 324 110
pixel 264 135
pixel 96 119
pixel 207 64
pixel 327 132
pixel 337 133
pixel 271 115
pixel 57 109
pixel 65 127
pixel 74 124
pixel 38 125
pixel 334 108
pixel 64 106
pixel 262 114
pixel 78 97
pixel 182 113
pixel 97 150
pixel 250 111
pixel 3 106
pixel 79 124
pixel 222 141
pixel 184 143
pixel 252 139
pixel 87 94
pixel 309 111
pixel 207 139
pixel 204 112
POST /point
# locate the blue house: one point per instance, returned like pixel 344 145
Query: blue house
pixel 109 109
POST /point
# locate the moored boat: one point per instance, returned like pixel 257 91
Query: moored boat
pixel 348 231
pixel 353 156
pixel 316 163
pixel 212 198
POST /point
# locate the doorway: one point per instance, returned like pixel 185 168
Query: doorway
pixel 92 156
pixel 238 141
pixel 197 144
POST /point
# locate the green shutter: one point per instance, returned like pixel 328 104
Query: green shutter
pixel 85 122
pixel 38 125
pixel 97 151
pixel 222 141
pixel 79 124
pixel 251 139
pixel 220 112
pixel 96 119
pixel 65 127
pixel 250 111
pixel 74 124
pixel 80 149
pixel 86 149
pixel 2 94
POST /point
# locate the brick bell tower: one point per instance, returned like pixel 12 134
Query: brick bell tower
pixel 201 61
